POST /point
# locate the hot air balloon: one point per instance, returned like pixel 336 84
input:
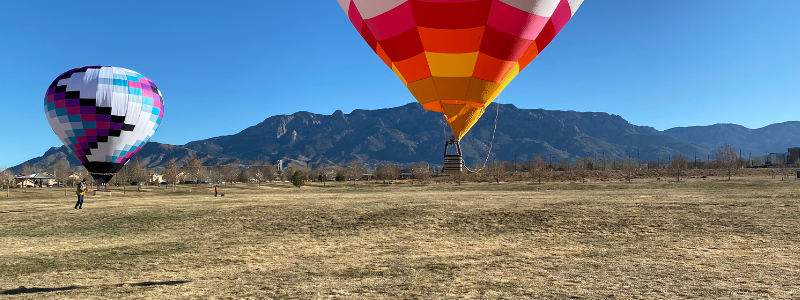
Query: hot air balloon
pixel 456 56
pixel 104 115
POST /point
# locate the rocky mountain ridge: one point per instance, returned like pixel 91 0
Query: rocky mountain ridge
pixel 409 134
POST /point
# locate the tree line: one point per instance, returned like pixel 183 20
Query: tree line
pixel 581 168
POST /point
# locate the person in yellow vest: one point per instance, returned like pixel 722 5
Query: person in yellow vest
pixel 80 192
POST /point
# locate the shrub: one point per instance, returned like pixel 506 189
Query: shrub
pixel 298 178
pixel 340 177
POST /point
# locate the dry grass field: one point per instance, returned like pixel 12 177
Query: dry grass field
pixel 645 240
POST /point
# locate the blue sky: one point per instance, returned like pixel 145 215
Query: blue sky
pixel 226 65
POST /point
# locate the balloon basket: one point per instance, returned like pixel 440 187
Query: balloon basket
pixel 453 163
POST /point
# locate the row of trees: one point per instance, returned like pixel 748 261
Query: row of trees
pixel 726 159
pixel 194 171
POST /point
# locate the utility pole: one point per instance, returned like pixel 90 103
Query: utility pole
pixel 494 161
pixel 515 162
pixel 604 160
pixel 308 170
pixel 638 159
pixel 695 160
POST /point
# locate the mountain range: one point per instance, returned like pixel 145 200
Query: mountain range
pixel 409 134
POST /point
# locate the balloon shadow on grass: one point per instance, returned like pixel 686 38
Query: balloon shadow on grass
pixel 34 290
pixel 23 290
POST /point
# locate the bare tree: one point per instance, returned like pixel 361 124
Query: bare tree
pixel 311 173
pixel 194 169
pixel 582 167
pixel 229 172
pixel 783 168
pixel 245 175
pixel 498 170
pixel 268 172
pixel 8 179
pixel 421 171
pixel 387 171
pixel 139 174
pixel 537 167
pixel 756 162
pixel 26 172
pixel 678 165
pixel 564 165
pixel 256 172
pixel 172 172
pixel 727 160
pixel 287 173
pixel 628 167
pixel 61 172
pixel 354 171
pixel 321 172
pixel 124 175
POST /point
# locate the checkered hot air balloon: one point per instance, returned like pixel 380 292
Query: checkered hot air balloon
pixel 104 115
pixel 456 56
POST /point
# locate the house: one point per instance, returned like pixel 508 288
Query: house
pixel 156 178
pixel 775 159
pixel 35 180
pixel 794 155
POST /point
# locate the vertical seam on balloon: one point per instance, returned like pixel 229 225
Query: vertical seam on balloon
pixel 433 81
pixel 480 44
pixel 480 41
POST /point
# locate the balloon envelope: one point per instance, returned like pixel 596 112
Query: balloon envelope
pixel 456 56
pixel 104 115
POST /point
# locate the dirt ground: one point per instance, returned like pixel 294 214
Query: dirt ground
pixel 710 239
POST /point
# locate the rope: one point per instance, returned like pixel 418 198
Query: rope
pixel 444 130
pixel 491 144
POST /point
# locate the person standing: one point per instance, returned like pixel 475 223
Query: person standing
pixel 80 192
pixel 216 190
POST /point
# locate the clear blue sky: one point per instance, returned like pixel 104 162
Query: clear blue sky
pixel 226 65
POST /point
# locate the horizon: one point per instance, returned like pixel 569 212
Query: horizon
pixel 698 68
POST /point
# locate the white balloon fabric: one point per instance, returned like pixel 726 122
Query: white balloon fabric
pixel 104 115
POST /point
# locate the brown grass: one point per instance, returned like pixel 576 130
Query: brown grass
pixel 696 239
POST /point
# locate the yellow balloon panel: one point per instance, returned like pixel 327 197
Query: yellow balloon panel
pixel 452 65
pixel 461 99
pixel 461 117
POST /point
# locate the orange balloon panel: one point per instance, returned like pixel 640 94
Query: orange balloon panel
pixel 456 56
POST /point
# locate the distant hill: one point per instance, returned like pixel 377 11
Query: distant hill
pixel 409 134
pixel 152 155
pixel 773 138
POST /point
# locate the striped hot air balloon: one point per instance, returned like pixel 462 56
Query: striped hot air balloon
pixel 456 56
pixel 104 115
